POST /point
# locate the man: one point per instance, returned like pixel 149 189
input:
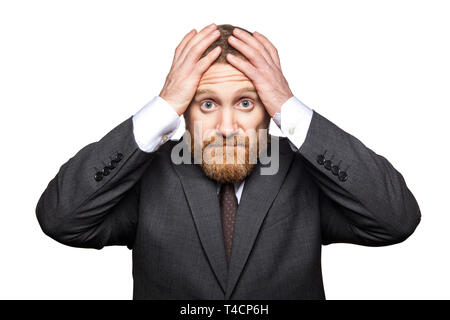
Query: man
pixel 210 229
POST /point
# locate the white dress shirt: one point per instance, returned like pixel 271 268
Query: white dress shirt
pixel 157 122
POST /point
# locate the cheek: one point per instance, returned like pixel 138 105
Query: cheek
pixel 254 119
pixel 204 123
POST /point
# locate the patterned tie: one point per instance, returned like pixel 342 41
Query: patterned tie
pixel 228 208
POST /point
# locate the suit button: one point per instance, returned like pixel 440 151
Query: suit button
pixel 98 176
pixel 327 164
pixel 105 171
pixel 335 169
pixel 118 157
pixel 320 159
pixel 342 175
pixel 111 165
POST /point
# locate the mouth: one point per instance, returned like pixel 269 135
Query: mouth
pixel 225 146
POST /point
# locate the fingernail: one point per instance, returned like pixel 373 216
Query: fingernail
pixel 217 32
pixel 231 38
pixel 237 30
pixel 212 25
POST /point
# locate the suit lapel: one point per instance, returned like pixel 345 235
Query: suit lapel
pixel 258 194
pixel 201 194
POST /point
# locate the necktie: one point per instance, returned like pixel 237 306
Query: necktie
pixel 228 208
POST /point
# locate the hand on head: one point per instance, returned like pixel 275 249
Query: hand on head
pixel 187 67
pixel 262 68
pixel 261 65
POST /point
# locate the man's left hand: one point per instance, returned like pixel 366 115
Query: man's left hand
pixel 262 68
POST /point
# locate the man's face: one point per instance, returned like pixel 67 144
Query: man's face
pixel 228 107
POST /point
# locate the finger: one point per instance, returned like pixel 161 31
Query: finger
pixel 198 37
pixel 251 54
pixel 269 47
pixel 183 42
pixel 196 51
pixel 205 62
pixel 252 42
pixel 244 66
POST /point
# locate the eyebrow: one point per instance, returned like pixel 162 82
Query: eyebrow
pixel 240 91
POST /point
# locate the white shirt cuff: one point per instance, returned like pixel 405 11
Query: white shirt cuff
pixel 154 124
pixel 294 121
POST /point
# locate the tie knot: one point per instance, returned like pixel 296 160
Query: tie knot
pixel 227 187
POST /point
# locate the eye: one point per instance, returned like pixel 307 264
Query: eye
pixel 207 105
pixel 246 104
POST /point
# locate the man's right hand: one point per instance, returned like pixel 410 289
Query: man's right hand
pixel 187 70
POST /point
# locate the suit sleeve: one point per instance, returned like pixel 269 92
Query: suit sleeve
pixel 92 202
pixel 363 199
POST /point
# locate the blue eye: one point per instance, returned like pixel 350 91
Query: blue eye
pixel 246 104
pixel 208 105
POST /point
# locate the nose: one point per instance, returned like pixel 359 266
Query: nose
pixel 227 125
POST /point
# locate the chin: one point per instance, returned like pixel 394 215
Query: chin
pixel 227 173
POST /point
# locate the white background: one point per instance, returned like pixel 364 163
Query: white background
pixel 70 71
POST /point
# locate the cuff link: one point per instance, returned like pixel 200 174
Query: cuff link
pixel 164 138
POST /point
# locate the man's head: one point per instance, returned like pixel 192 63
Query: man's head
pixel 228 108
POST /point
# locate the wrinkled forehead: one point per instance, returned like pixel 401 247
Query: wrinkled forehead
pixel 223 73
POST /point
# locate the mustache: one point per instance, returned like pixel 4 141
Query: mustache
pixel 242 141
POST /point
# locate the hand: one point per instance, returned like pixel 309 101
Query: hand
pixel 263 68
pixel 187 70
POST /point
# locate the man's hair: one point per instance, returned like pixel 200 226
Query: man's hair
pixel 225 30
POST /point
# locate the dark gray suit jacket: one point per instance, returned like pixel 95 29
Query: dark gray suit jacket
pixel 169 214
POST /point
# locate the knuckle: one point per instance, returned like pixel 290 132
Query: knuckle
pixel 251 54
pixel 195 50
pixel 260 46
pixel 206 60
pixel 187 47
pixel 202 62
pixel 213 54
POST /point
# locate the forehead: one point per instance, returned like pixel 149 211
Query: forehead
pixel 223 74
